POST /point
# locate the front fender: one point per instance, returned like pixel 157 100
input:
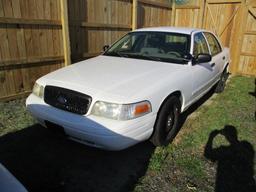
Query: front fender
pixel 164 88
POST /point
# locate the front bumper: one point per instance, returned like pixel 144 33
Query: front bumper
pixel 92 130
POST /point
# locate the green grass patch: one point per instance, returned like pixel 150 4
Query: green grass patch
pixel 14 116
pixel 192 165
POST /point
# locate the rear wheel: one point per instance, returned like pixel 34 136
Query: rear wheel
pixel 222 82
pixel 166 125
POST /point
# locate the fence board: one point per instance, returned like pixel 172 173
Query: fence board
pixel 95 23
pixel 247 61
pixel 151 13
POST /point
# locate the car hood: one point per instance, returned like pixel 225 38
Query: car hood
pixel 108 76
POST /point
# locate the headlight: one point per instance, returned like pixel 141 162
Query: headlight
pixel 121 111
pixel 38 90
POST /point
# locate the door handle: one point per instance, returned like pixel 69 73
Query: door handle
pixel 212 64
pixel 223 58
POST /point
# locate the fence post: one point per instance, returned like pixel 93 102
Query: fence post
pixel 134 14
pixel 173 13
pixel 202 14
pixel 65 31
pixel 239 40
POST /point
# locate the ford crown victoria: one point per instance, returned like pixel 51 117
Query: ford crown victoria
pixel 135 90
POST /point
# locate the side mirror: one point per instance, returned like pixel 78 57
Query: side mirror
pixel 202 58
pixel 105 47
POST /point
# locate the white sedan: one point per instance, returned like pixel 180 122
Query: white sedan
pixel 135 90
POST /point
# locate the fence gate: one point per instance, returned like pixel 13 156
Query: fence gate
pixel 246 52
pixel 223 18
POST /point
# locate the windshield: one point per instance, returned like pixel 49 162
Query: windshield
pixel 157 46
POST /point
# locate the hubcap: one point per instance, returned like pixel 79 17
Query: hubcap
pixel 170 121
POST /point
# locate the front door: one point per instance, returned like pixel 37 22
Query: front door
pixel 203 73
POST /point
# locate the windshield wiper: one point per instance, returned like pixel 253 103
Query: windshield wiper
pixel 152 58
pixel 116 53
pixel 145 57
pixel 185 60
pixel 181 60
pixel 122 54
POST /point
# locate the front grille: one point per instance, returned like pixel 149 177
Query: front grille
pixel 67 100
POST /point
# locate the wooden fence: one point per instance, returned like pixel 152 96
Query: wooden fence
pixel 33 39
pixel 94 23
pixel 39 36
pixel 234 23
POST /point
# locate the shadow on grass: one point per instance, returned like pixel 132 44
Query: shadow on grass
pixel 252 94
pixel 235 169
pixel 43 161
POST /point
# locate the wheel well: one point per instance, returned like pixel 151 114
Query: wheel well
pixel 176 94
pixel 226 67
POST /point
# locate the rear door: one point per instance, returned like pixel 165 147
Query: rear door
pixel 203 73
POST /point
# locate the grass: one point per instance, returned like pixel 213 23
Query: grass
pixel 14 116
pixel 182 166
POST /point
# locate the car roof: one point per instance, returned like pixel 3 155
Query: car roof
pixel 184 30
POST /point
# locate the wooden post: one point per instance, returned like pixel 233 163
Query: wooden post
pixel 134 14
pixel 202 14
pixel 239 38
pixel 65 32
pixel 173 13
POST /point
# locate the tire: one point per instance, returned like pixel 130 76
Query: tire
pixel 220 86
pixel 167 122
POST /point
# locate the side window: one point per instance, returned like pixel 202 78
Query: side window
pixel 200 44
pixel 213 44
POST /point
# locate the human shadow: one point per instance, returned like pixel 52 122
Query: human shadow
pixel 235 168
pixel 253 93
pixel 44 161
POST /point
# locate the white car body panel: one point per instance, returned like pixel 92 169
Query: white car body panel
pixel 123 81
pixel 93 130
pixel 129 84
pixel 8 183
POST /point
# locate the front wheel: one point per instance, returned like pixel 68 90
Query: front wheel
pixel 167 123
